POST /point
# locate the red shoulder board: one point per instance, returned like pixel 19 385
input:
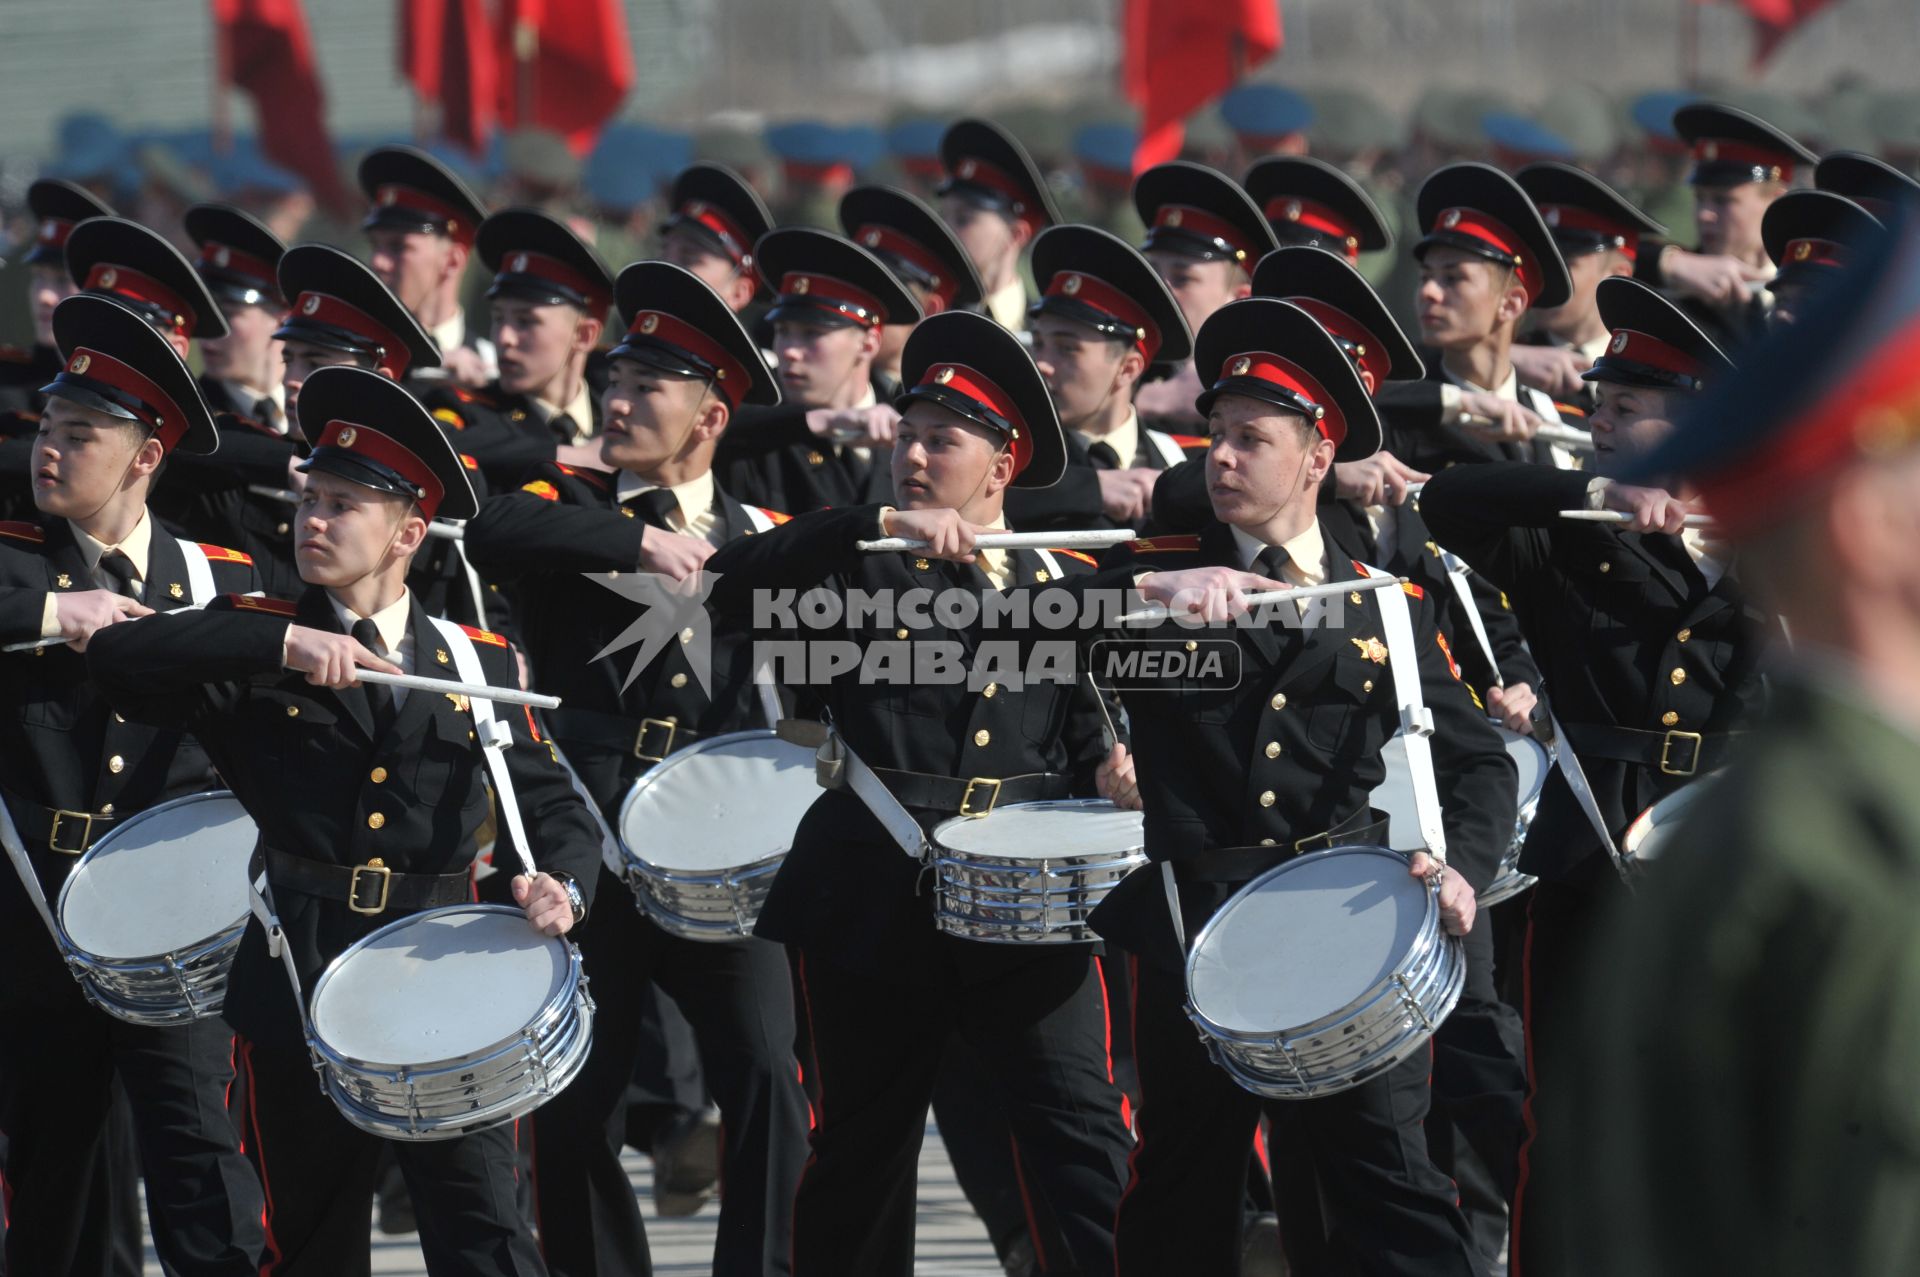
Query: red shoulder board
pixel 221 554
pixel 484 636
pixel 1087 559
pixel 15 355
pixel 24 532
pixel 231 420
pixel 1413 589
pixel 598 478
pixel 775 516
pixel 449 418
pixel 1156 545
pixel 541 488
pixel 468 461
pixel 1452 664
pixel 1570 410
pixel 259 603
pixel 1184 442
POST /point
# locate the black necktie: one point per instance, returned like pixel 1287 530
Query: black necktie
pixel 1103 456
pixel 379 695
pixel 562 426
pixel 1272 562
pixel 118 568
pixel 656 505
pixel 263 410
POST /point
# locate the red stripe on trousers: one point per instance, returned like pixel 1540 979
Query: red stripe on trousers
pixel 260 1160
pixel 820 1085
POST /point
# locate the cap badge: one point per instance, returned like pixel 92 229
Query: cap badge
pixel 650 323
pixel 1070 285
pixel 1173 218
pixel 222 256
pixel 944 376
pixel 871 239
pixel 1802 251
pixel 80 363
pixel 388 195
pixel 1452 219
pixel 1240 367
pixel 346 437
pixel 802 286
pixel 1711 151
pixel 1619 342
pixel 696 207
pixel 968 168
pixel 50 229
pixel 1553 217
pixel 933 281
pixel 311 305
pixel 109 277
pixel 518 264
pixel 1293 210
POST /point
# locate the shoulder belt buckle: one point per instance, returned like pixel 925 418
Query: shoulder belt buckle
pixel 85 821
pixel 640 750
pixel 377 868
pixel 966 797
pixel 1692 764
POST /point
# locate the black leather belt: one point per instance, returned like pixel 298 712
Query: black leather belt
pixel 1243 864
pixel 1670 753
pixel 970 796
pixel 369 889
pixel 71 833
pixel 648 739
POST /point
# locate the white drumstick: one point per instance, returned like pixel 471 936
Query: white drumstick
pixel 31 644
pixel 1565 436
pixel 1621 516
pixel 1086 539
pixel 435 528
pixel 447 687
pixel 1158 611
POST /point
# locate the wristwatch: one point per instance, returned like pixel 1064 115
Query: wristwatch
pixel 574 898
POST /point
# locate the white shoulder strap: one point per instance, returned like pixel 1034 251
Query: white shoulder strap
pixel 494 737
pixel 1162 443
pixel 199 572
pixel 1457 572
pixel 1416 720
pixel 758 518
pixel 1053 564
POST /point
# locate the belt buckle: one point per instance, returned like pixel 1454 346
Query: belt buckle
pixel 640 739
pixel 374 866
pixel 86 834
pixel 966 797
pixel 1666 748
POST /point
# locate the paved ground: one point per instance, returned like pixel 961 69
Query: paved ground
pixel 951 1240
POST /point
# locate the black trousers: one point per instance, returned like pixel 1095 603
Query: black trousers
pixel 318 1174
pixel 1387 1209
pixel 1038 1030
pixel 1563 923
pixel 667 1086
pixel 739 999
pixel 69 1182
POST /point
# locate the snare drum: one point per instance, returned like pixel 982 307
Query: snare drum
pixel 1647 838
pixel 703 833
pixel 1030 873
pixel 1323 973
pixel 1395 797
pixel 151 916
pixel 448 1022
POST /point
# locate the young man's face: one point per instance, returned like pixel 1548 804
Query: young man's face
pixel 535 340
pixel 1728 217
pixel 345 531
pixel 943 461
pixel 1200 287
pixel 648 416
pixel 1261 460
pixel 987 235
pixel 301 360
pixel 1628 423
pixel 413 264
pixel 819 363
pixel 82 458
pixel 1081 367
pixel 48 284
pixel 1460 297
pixel 717 271
pixel 248 353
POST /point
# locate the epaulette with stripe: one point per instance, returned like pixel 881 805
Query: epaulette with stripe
pixel 1087 559
pixel 466 459
pixel 31 532
pixel 231 420
pixel 1570 410
pixel 1452 664
pixel 484 636
pixel 596 478
pixel 541 488
pixel 1183 442
pixel 256 603
pixel 449 418
pixel 466 394
pixel 221 554
pixel 774 516
pixel 15 355
pixel 1157 545
pixel 1413 589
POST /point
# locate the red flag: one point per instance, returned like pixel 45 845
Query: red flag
pixel 447 52
pixel 1774 21
pixel 1179 54
pixel 262 47
pixel 564 66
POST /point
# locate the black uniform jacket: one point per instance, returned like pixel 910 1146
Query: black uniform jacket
pixel 503 432
pixel 769 458
pixel 1074 502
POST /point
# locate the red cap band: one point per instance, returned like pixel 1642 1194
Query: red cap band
pixel 1108 300
pixel 922 166
pixel 830 173
pixel 1639 348
pixel 105 277
pixel 392 355
pixel 1713 150
pixel 552 269
pixel 1264 365
pixel 1293 209
pixel 1497 235
pixel 731 378
pixel 367 442
pixel 1184 217
pixel 1573 217
pixel 980 173
pixel 1814 252
pixel 834 294
pixel 418 201
pixel 739 243
pixel 54 231
pixel 225 257
pixel 972 383
pixel 161 413
pixel 885 239
pixel 1369 350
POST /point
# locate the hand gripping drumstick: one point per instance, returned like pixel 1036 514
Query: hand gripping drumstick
pixel 435 528
pixel 448 687
pixel 1090 539
pixel 1159 612
pixel 1621 516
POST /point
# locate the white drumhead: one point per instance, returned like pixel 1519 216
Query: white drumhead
pixel 1043 830
pixel 167 879
pixel 1647 838
pixel 438 986
pixel 719 804
pixel 1307 940
pixel 1395 794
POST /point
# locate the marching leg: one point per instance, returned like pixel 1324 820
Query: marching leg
pixel 470 1219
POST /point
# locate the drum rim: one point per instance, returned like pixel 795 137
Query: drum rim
pixel 1215 1029
pixel 967 822
pixel 1547 754
pixel 561 998
pixel 106 840
pixel 641 784
pixel 1630 845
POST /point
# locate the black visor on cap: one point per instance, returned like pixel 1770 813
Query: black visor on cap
pixel 663 355
pixel 94 395
pixel 359 469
